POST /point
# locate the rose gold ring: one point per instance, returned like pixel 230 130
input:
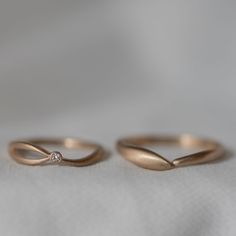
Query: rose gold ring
pixel 21 151
pixel 133 149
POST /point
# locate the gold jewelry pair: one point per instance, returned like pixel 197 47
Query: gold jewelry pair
pixel 134 149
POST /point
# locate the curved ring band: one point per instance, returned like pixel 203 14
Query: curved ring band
pixel 19 149
pixel 134 151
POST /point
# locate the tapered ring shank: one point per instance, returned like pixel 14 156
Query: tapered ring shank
pixel 20 150
pixel 134 150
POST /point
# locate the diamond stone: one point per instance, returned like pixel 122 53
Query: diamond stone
pixel 55 156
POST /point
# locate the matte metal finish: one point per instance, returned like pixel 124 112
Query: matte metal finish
pixel 19 150
pixel 133 149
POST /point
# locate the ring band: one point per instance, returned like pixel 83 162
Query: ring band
pixel 19 149
pixel 134 151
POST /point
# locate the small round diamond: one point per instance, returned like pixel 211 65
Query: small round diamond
pixel 55 156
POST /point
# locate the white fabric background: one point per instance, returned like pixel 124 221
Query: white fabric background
pixel 100 70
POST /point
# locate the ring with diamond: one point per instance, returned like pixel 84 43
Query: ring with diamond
pixel 22 152
pixel 135 150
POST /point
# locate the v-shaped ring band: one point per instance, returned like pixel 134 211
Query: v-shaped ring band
pixel 133 149
pixel 19 150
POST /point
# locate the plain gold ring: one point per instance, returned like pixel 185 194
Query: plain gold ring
pixel 20 150
pixel 133 149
